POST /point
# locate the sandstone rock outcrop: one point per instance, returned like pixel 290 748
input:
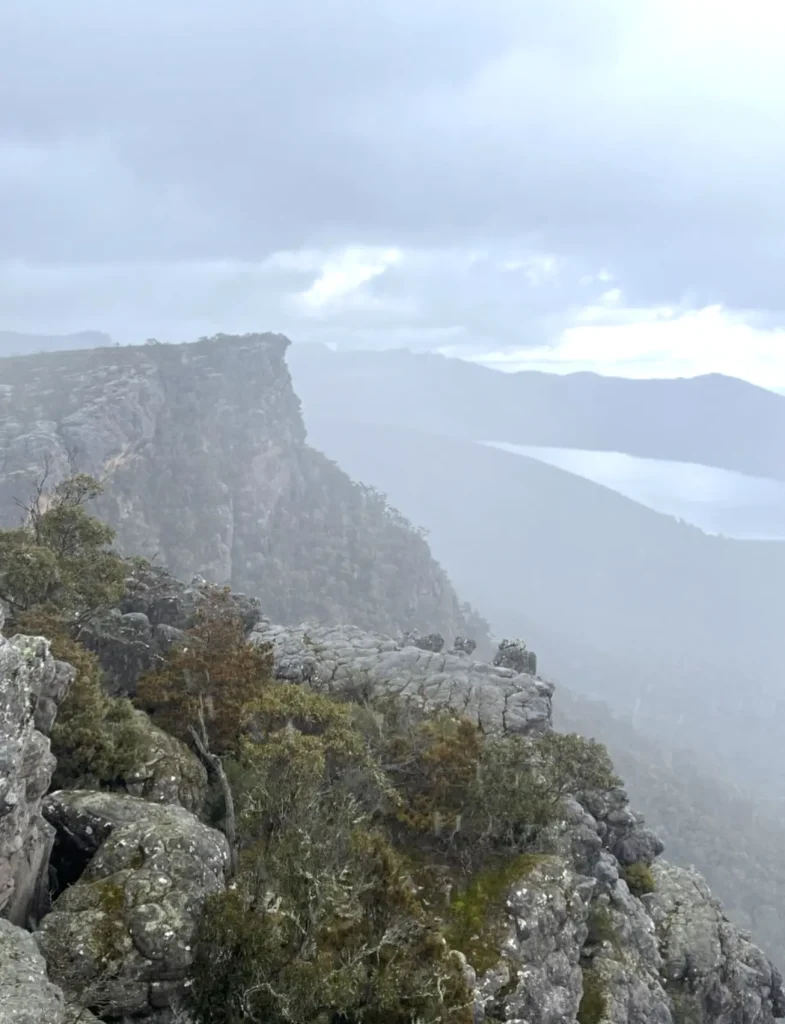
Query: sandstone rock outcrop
pixel 32 683
pixel 711 969
pixel 348 660
pixel 26 994
pixel 120 936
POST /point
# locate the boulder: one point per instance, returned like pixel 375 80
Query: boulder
pixel 165 770
pixel 121 933
pixel 152 617
pixel 431 642
pixel 463 645
pixel 32 683
pixel 513 654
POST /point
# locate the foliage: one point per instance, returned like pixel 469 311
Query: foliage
pixel 639 879
pixel 475 916
pixel 468 796
pixel 374 840
pixel 210 679
pixel 58 570
pixel 593 1003
pixel 59 561
pixel 600 923
pixel 95 737
pixel 322 931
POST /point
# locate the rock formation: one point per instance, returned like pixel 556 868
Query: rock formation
pixel 140 875
pixel 203 450
pixel 591 927
pixel 31 685
pixel 351 661
pixel 26 994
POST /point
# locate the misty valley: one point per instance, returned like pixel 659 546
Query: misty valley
pixel 286 653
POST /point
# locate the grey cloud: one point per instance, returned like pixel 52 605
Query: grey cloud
pixel 163 133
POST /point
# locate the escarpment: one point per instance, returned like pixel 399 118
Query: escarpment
pixel 203 452
pixel 273 804
pixel 589 925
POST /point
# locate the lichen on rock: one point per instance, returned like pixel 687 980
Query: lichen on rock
pixel 32 683
pixel 120 938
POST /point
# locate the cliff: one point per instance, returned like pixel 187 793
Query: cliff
pixel 581 934
pixel 202 450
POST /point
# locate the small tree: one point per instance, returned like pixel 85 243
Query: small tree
pixel 59 563
pixel 204 688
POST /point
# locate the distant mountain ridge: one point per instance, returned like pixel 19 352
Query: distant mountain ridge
pixel 714 420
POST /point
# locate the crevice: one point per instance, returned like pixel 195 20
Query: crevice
pixel 68 862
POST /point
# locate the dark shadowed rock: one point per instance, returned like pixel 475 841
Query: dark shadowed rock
pixel 463 645
pixel 431 642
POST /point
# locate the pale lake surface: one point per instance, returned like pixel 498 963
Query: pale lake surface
pixel 716 500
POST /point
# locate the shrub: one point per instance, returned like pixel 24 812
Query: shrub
pixel 325 931
pixel 600 923
pixel 59 561
pixel 209 680
pixel 95 738
pixel 639 878
pixel 593 1003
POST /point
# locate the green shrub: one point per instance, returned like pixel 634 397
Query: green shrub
pixel 325 931
pixel 639 878
pixel 60 560
pixel 95 738
pixel 593 1003
pixel 475 920
pixel 600 924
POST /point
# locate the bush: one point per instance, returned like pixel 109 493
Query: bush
pixel 210 679
pixel 600 924
pixel 59 561
pixel 95 737
pixel 593 1003
pixel 373 841
pixel 639 879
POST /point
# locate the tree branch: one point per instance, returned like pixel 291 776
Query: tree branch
pixel 213 764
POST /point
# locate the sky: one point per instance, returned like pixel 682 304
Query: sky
pixel 566 185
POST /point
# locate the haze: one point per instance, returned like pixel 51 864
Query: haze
pixel 496 231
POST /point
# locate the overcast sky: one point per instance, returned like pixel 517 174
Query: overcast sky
pixel 560 183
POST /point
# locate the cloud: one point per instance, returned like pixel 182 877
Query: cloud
pixel 658 343
pixel 558 144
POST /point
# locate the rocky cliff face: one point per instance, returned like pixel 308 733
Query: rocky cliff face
pixel 578 941
pixel 202 448
pixel 31 684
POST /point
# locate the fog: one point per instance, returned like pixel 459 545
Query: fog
pixel 423 196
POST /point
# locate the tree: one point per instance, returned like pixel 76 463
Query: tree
pixel 59 564
pixel 203 691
